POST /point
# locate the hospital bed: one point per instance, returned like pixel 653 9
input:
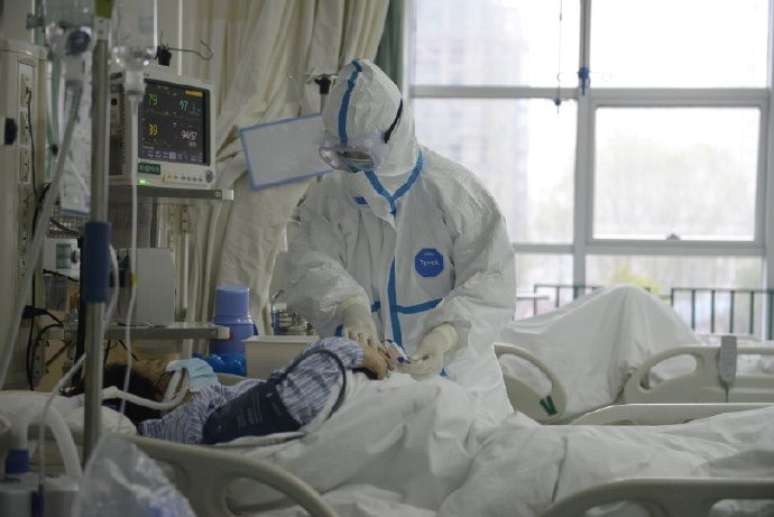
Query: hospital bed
pixel 206 474
pixel 700 384
pixel 665 497
pixel 203 474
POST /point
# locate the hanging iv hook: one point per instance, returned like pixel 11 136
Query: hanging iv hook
pixel 205 56
pixel 558 97
pixel 165 50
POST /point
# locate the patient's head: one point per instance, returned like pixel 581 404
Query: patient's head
pixel 140 384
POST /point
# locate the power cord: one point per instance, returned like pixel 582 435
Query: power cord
pixel 31 351
pixel 32 143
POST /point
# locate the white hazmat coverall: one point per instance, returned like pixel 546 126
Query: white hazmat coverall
pixel 418 241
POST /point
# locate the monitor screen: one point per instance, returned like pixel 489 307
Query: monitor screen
pixel 173 123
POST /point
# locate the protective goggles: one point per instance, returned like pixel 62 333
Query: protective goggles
pixel 361 154
pixel 352 159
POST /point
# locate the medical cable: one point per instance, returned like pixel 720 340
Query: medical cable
pixel 30 344
pixel 33 252
pixel 33 170
pixel 58 353
pixel 64 229
pixel 558 96
pixel 134 99
pixel 114 296
pixel 41 427
pixel 32 350
pixel 112 392
pixel 123 345
pixel 60 275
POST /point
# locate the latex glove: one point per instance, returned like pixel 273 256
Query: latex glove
pixel 429 358
pixel 357 323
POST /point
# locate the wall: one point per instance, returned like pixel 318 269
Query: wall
pixel 13 19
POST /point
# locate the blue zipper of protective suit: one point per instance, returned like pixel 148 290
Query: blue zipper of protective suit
pixel 392 199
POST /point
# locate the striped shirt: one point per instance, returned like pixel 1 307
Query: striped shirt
pixel 304 392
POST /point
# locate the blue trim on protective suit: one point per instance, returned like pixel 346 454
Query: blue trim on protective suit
pixel 379 188
pixel 344 108
pixel 392 199
pixel 360 200
pixel 420 307
pixel 376 306
pixel 411 179
pixel 396 309
pixel 393 298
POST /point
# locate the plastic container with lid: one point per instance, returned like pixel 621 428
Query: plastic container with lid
pixel 232 310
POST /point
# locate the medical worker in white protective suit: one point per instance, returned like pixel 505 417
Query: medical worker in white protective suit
pixel 404 245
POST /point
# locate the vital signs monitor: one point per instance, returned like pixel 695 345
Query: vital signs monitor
pixel 172 136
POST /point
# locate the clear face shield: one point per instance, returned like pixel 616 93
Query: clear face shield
pixel 366 154
pixel 362 154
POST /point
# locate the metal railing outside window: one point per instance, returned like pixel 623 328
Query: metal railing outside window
pixel 728 310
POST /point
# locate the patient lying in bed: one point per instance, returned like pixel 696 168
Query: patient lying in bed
pixel 309 389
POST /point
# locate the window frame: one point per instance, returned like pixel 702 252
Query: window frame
pixel 682 98
pixel 588 102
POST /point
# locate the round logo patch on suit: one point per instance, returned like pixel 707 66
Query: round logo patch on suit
pixel 428 262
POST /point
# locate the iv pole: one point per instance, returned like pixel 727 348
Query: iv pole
pixel 97 231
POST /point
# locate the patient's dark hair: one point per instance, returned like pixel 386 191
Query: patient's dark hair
pixel 138 385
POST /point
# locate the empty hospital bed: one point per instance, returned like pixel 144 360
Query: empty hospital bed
pixel 623 345
pixel 696 381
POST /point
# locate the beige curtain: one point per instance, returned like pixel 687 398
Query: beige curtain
pixel 263 49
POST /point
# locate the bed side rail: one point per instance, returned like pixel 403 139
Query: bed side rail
pixel 203 475
pixel 703 383
pixel 667 497
pixel 548 409
pixel 661 414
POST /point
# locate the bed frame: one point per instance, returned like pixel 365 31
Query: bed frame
pixel 203 474
pixel 702 385
pixel 660 414
pixel 665 497
pixel 547 410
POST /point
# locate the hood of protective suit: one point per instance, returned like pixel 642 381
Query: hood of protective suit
pixel 364 101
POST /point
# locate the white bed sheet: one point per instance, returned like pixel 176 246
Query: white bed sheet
pixel 594 343
pixel 420 449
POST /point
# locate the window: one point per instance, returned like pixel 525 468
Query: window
pixel 650 161
pixel 679 44
pixel 654 170
pixel 494 42
pixel 672 277
pixel 523 151
pixel 536 276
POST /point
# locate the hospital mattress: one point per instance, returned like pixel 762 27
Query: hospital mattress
pixel 427 449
